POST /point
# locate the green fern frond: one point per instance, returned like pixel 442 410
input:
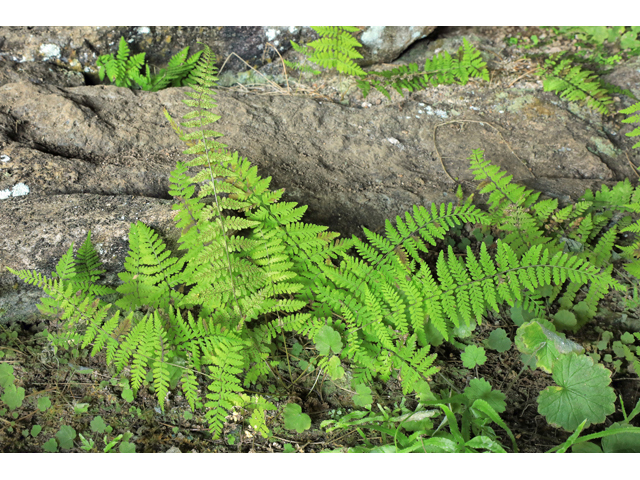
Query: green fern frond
pixel 575 84
pixel 633 119
pixel 121 68
pixel 226 363
pixel 150 272
pixel 334 49
pixel 88 269
pixel 441 69
pixel 259 406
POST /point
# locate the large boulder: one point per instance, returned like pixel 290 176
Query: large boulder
pixel 80 158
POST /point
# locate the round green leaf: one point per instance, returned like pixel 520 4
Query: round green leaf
pixel 472 356
pixel 627 338
pixel 126 447
pixel 465 329
pixel 582 393
pixel 533 338
pixel 98 425
pixel 294 419
pixel 519 315
pixel 13 396
pixel 50 446
pixel 618 349
pixel 296 349
pixel 6 375
pixel 65 436
pixel 498 340
pixel 582 313
pixel 327 339
pixel 44 403
pixel 35 430
pixel 363 397
pixel 127 394
pixel 564 319
pixel 480 388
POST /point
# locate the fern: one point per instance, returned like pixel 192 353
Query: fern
pixel 334 49
pixel 575 84
pixel 588 228
pixel 122 69
pixel 441 69
pixel 633 119
pixel 251 270
pixel 150 272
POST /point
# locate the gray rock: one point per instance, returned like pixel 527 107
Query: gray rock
pixel 74 159
pixel 385 44
pixel 78 48
pixel 38 73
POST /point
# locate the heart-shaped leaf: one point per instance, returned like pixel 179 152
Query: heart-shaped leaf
pixel 498 340
pixel 294 419
pixel 328 339
pixel 13 396
pixel 65 436
pixel 583 392
pixel 363 397
pixel 472 356
pixel 480 388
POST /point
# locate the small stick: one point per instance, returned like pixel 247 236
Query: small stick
pixel 472 121
pixel 633 167
pixel 523 75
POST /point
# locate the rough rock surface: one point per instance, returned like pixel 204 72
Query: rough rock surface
pixel 385 44
pixel 38 73
pixel 80 158
pixel 77 48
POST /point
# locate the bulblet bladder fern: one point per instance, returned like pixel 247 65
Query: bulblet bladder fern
pixel 251 270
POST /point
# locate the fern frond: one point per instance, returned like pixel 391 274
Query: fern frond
pixel 441 69
pixel 575 84
pixel 334 49
pixel 633 119
pixel 226 363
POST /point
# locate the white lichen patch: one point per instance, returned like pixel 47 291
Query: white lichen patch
pixel 271 34
pixel 50 50
pixel 144 30
pixel 18 190
pixel 396 142
pixel 372 38
pixel 5 158
pixel 439 113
